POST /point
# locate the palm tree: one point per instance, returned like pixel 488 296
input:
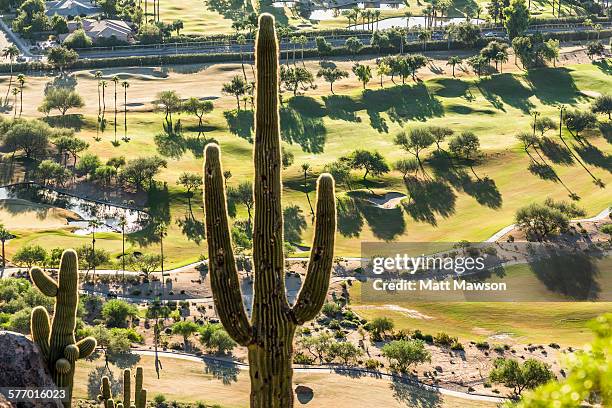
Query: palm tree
pixel 408 14
pixel 303 40
pixel 93 224
pixel 502 58
pixel 161 230
pixel 11 52
pixel 424 35
pixel 104 84
pixel 479 11
pixel 241 40
pixel 452 61
pixel 98 76
pixel 15 92
pixel 21 80
pixel 125 85
pixel 115 81
pixel 377 17
pixel 4 236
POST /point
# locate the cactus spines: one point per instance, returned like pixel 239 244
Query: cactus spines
pixel 56 340
pixel 269 334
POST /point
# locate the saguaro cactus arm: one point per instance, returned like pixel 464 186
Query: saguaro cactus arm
pixel 223 274
pixel 44 282
pixel 314 290
pixel 86 346
pixel 41 328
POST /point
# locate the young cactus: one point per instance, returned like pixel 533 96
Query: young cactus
pixel 140 394
pixel 269 334
pixel 56 340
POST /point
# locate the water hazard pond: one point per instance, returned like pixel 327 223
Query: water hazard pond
pixel 79 212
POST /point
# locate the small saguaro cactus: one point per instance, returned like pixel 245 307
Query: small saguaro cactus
pixel 140 394
pixel 269 333
pixel 56 340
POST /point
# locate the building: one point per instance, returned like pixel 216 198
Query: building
pixel 103 29
pixel 71 8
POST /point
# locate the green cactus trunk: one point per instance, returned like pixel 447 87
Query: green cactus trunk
pixel 56 341
pixel 269 333
pixel 140 394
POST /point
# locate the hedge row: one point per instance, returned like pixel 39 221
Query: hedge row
pixel 154 60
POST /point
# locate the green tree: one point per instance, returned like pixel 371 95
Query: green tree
pixel 30 255
pixel 5 235
pixel 141 171
pixel 296 78
pixel 414 142
pixel 371 162
pixel 318 346
pixel 88 164
pixel 198 108
pixel 588 373
pixel 78 39
pixel 466 146
pixel 31 136
pixel 346 351
pixel 516 18
pixel 453 61
pixel 577 121
pixel 222 342
pixel 331 75
pixel 603 104
pixel 11 53
pixel 62 57
pixel 540 221
pixel 379 326
pixel 243 194
pixel 404 353
pixel 363 72
pixel 116 313
pixel 354 45
pixel 236 87
pixel 185 329
pixel 62 99
pixel 520 377
pixel 168 102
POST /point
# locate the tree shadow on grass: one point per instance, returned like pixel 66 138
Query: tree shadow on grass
pixel 453 88
pixel 553 85
pixel 429 199
pixel 402 103
pixel 302 124
pixel 94 382
pixel 556 152
pixel 592 155
pixel 568 272
pixel 74 121
pixel 604 65
pixel 543 171
pixel 193 229
pixel 294 224
pixel 241 123
pixel 226 372
pixel 229 9
pixel 414 396
pixel 350 220
pixel 341 107
pixel 506 89
pixel 158 206
pixel 484 190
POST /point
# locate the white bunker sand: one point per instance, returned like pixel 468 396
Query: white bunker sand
pixel 389 201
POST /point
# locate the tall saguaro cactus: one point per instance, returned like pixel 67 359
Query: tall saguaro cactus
pixel 56 340
pixel 269 334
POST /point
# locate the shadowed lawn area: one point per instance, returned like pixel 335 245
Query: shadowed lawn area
pixel 189 381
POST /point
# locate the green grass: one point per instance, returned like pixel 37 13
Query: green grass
pixel 319 129
pixel 550 318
